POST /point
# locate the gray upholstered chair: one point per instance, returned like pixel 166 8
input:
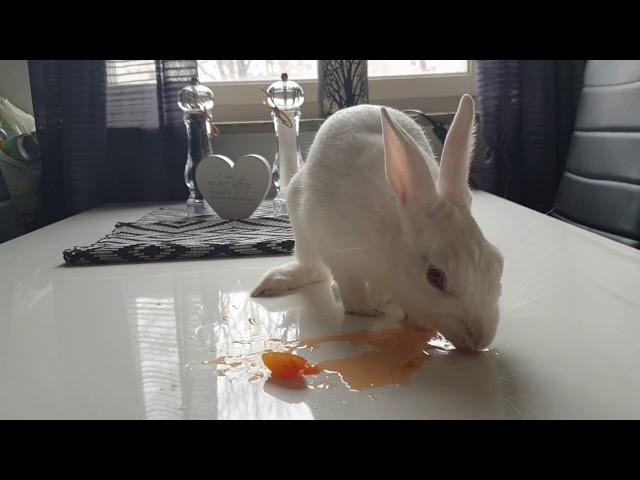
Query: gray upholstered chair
pixel 600 189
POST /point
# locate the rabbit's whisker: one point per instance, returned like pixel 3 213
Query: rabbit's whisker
pixel 525 230
pixel 546 255
pixel 538 220
pixel 522 247
pixel 531 300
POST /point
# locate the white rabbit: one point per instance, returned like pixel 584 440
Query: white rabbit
pixel 371 208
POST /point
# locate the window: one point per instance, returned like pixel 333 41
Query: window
pixel 255 70
pixel 394 68
pixel 427 85
pixel 218 71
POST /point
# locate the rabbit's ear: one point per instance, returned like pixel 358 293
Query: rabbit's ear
pixel 453 181
pixel 405 164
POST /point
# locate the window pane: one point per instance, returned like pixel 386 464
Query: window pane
pixel 255 70
pixel 389 68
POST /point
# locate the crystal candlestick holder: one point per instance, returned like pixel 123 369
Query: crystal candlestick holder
pixel 285 98
pixel 196 101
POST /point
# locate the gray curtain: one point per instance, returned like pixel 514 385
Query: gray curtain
pixel 109 134
pixel 527 111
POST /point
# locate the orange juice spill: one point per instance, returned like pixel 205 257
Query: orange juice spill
pixel 396 354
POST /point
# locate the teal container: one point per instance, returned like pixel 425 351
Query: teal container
pixel 23 148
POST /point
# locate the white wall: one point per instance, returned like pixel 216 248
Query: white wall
pixel 15 85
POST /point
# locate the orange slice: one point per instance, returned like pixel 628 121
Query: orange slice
pixel 287 365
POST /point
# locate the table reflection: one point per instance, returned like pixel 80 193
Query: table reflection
pixel 153 331
pixel 246 329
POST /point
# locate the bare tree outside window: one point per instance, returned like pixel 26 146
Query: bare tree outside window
pixel 343 83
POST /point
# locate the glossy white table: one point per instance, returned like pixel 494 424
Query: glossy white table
pixel 133 341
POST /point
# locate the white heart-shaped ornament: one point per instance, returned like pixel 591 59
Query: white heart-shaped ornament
pixel 234 190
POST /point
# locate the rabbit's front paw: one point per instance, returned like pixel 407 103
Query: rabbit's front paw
pixel 275 283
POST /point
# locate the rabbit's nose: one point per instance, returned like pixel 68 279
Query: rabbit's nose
pixel 463 343
pixel 479 342
pixel 468 346
pixel 469 340
pixel 473 341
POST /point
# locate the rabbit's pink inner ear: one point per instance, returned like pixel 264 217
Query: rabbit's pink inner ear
pixel 453 181
pixel 406 168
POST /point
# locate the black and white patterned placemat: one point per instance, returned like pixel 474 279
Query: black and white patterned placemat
pixel 170 234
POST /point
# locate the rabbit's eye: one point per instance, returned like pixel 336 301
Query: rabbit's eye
pixel 437 278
